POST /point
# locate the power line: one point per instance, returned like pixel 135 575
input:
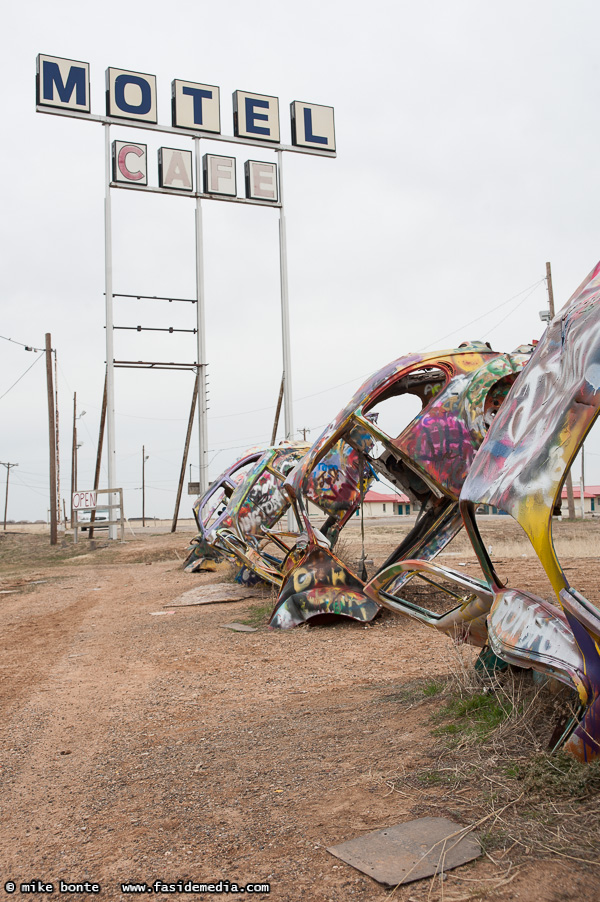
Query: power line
pixel 27 347
pixel 510 312
pixel 20 377
pixel 526 291
pixel 530 289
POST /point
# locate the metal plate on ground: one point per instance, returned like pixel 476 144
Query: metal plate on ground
pixel 239 627
pixel 410 851
pixel 217 593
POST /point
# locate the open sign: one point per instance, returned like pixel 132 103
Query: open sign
pixel 84 501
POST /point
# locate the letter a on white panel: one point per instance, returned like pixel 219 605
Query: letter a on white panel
pixel 175 169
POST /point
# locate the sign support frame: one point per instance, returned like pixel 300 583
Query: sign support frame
pixel 201 365
pixel 200 330
pixel 110 351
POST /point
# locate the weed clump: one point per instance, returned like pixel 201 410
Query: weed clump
pixel 493 766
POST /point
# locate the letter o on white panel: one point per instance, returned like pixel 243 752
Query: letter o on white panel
pixel 131 95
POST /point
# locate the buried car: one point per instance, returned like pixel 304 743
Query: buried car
pixel 458 393
pixel 239 516
pixel 520 469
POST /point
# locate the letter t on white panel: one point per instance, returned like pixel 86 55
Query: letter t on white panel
pixel 195 106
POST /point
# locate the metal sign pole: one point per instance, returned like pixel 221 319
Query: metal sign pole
pixel 110 354
pixel 200 334
pixel 288 417
pixel 285 312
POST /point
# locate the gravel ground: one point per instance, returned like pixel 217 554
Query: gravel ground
pixel 144 743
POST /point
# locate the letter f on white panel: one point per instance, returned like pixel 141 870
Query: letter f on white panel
pixel 219 175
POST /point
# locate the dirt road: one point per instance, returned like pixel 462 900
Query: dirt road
pixel 144 743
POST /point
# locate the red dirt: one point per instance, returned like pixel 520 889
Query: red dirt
pixel 143 743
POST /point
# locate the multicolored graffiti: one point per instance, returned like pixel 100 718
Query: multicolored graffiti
pixel 237 515
pixel 494 429
pixel 520 469
pixel 459 392
pixel 240 507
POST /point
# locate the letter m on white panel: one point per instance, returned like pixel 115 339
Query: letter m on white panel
pixel 63 83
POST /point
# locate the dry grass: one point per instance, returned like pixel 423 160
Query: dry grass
pixel 491 768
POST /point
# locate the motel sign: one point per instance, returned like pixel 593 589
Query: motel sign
pixel 63 89
pixel 65 84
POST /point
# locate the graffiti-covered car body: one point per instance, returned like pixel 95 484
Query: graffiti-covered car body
pixel 459 391
pixel 520 470
pixel 245 498
pixel 237 515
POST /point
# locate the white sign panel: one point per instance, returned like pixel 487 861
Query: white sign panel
pixel 255 116
pixel 84 501
pixel 63 83
pixel 131 95
pixel 175 169
pixel 196 106
pixel 312 125
pixel 130 162
pixel 219 175
pixel 261 180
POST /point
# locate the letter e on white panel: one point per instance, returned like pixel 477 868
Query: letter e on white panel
pixel 312 125
pixel 195 106
pixel 219 175
pixel 131 95
pixel 175 169
pixel 63 83
pixel 255 116
pixel 130 163
pixel 261 181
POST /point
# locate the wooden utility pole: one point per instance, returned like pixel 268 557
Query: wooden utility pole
pixel 8 466
pixel 52 438
pixel 99 456
pixel 278 411
pixel 144 459
pixel 56 416
pixel 550 291
pixel 74 455
pixel 185 455
pixel 569 479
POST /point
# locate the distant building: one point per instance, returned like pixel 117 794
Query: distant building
pixel 377 504
pixel 591 500
pixel 382 505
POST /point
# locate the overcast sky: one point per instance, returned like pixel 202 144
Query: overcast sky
pixel 467 137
